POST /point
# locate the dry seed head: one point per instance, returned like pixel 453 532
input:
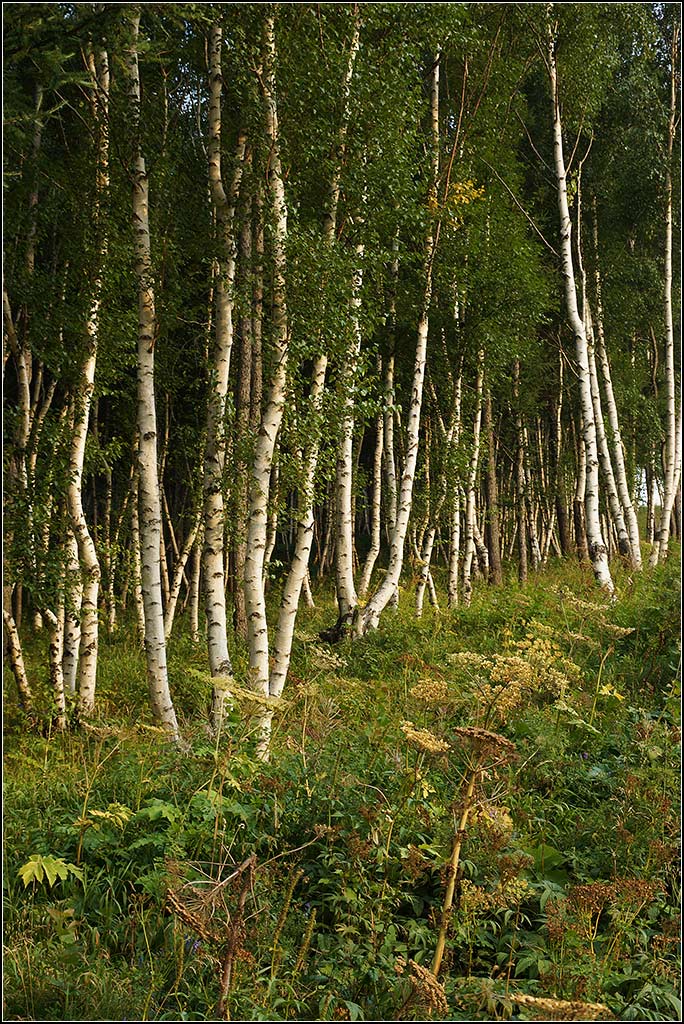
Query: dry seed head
pixel 616 631
pixel 561 1009
pixel 428 989
pixel 590 898
pixel 423 739
pixel 189 917
pixel 486 743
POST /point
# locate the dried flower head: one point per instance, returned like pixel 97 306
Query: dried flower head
pixel 423 739
pixel 468 659
pixel 487 744
pixel 431 691
pixel 561 1009
pixel 429 992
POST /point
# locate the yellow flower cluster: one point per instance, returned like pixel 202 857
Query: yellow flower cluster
pixel 468 659
pixel 616 631
pixel 423 739
pixel 431 691
pixel 476 900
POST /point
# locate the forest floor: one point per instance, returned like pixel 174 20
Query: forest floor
pixel 531 739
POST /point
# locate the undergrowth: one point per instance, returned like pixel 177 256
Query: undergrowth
pixel 522 753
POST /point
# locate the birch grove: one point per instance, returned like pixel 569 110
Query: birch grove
pixel 368 340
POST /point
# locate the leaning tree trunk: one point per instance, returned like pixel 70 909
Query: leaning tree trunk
pixel 90 566
pixel 297 577
pixel 617 448
pixel 148 480
pixel 597 547
pixel 369 616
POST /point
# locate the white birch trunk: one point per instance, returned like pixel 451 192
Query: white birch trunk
pixel 214 553
pixel 148 482
pixel 344 534
pixel 369 616
pixel 597 548
pixel 16 658
pixel 90 567
pixel 73 586
pixel 255 602
pixel 374 549
pixel 618 454
pixel 605 462
pixel 470 508
pixel 672 463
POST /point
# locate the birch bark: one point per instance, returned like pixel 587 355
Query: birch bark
pixel 88 647
pixel 369 616
pixel 597 548
pixel 673 454
pixel 275 399
pixel 470 508
pixel 148 481
pixel 298 574
pixel 224 202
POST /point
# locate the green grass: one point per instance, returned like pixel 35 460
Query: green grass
pixel 569 863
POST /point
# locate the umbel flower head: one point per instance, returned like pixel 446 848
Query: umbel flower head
pixel 423 739
pixel 486 744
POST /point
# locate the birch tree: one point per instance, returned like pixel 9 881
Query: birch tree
pixel 150 503
pixel 224 202
pixel 369 616
pixel 598 552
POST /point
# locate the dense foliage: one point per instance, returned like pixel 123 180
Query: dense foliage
pixel 568 882
pixel 341 414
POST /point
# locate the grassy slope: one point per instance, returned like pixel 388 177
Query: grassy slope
pixel 568 875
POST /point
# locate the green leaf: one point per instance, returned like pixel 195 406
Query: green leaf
pixel 32 870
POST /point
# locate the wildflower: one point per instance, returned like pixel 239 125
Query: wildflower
pixel 423 739
pixel 428 989
pixel 616 631
pixel 562 1009
pixel 431 691
pixel 486 743
pixel 468 659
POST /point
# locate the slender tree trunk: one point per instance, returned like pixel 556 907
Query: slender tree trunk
pixel 374 549
pixel 73 586
pixel 344 534
pixel 520 486
pixel 149 499
pixel 90 567
pixel 370 615
pixel 493 530
pixel 470 510
pixel 618 455
pixel 17 662
pixel 672 447
pixel 244 388
pixel 597 547
pixel 275 399
pixel 178 573
pixel 224 202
